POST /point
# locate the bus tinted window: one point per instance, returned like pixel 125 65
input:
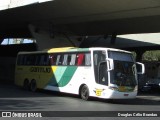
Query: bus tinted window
pixel 69 59
pixel 53 59
pixel 80 59
pixel 59 59
pixel 24 60
pixel 32 59
pixel 44 60
pixel 37 62
pixel 87 59
pixel 27 60
pixel 120 56
pixel 73 59
pixel 65 60
pixel 99 56
pixel 20 60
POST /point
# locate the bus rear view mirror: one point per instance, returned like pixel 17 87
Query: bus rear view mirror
pixel 110 64
pixel 140 68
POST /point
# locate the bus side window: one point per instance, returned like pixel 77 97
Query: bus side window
pixel 59 60
pixel 53 59
pixel 80 59
pixel 99 64
pixel 46 60
pixel 37 62
pixel 27 60
pixel 69 59
pixel 65 60
pixel 20 60
pixel 73 59
pixel 87 59
pixel 103 74
pixel 96 59
pixel 32 60
pixel 41 60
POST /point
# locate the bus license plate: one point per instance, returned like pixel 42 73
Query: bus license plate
pixel 126 94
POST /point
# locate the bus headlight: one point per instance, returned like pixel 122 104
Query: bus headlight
pixel 113 88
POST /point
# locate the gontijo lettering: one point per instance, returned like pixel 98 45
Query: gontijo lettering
pixel 40 69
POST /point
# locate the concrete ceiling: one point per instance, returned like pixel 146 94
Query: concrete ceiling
pixel 121 43
pixel 84 17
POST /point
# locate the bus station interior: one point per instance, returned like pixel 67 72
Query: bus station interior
pixel 70 29
pixel 152 68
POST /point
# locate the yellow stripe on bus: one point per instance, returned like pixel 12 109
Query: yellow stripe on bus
pixel 59 49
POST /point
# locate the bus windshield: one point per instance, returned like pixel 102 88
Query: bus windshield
pixel 124 69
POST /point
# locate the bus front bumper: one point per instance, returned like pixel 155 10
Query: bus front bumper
pixel 119 95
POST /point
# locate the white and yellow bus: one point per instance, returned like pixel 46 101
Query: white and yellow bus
pixel 89 72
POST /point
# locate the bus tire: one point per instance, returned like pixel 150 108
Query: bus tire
pixel 33 85
pixel 26 84
pixel 84 92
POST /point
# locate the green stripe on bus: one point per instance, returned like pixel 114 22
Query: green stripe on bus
pixel 78 49
pixel 57 75
pixel 62 76
pixel 67 76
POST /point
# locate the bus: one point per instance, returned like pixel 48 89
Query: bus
pixel 88 72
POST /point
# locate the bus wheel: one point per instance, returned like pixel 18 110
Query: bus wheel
pixel 33 86
pixel 84 92
pixel 26 84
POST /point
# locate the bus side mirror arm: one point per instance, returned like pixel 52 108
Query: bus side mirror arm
pixel 110 64
pixel 140 68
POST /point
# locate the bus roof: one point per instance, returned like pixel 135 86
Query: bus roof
pixel 71 49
